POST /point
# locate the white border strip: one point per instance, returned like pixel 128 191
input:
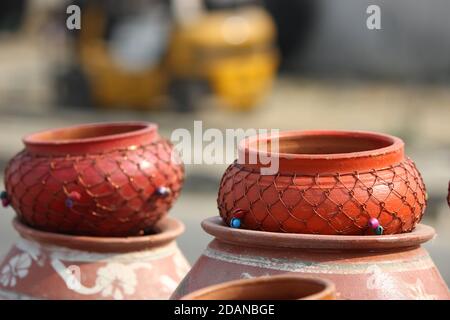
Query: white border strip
pixel 290 265
pixel 66 254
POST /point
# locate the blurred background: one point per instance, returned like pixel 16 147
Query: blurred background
pixel 286 64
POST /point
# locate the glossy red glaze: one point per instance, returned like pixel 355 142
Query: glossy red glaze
pixel 96 179
pixel 44 265
pixel 361 267
pixel 328 182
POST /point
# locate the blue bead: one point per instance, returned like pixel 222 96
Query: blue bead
pixel 3 195
pixel 379 230
pixel 69 203
pixel 235 223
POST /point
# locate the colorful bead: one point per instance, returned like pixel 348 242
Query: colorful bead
pixel 74 195
pixel 235 223
pixel 162 191
pixel 238 213
pixel 379 231
pixel 69 203
pixel 5 199
pixel 5 202
pixel 373 223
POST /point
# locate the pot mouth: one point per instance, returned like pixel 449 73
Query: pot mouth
pixel 323 144
pixel 320 152
pixel 253 238
pixel 166 231
pixel 89 133
pixel 282 287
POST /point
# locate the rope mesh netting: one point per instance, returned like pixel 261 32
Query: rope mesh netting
pixel 115 193
pixel 324 204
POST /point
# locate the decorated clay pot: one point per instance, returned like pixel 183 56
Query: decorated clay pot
pixel 328 182
pixel 282 287
pixel 361 267
pixel 112 179
pixel 44 265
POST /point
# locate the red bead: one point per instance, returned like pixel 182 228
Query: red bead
pixel 74 195
pixel 238 213
pixel 373 223
pixel 5 202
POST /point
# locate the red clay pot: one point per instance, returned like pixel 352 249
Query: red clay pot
pixel 44 265
pixel 361 267
pixel 111 179
pixel 283 287
pixel 329 182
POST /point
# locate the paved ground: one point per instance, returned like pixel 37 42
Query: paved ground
pixel 418 114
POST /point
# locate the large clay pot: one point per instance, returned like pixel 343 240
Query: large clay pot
pixel 44 265
pixel 361 267
pixel 283 287
pixel 112 179
pixel 328 182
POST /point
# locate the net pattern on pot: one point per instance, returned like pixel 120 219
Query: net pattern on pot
pixel 115 193
pixel 324 204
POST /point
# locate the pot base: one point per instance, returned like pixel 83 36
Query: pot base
pixel 362 267
pixel 45 265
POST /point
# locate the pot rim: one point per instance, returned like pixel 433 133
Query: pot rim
pixel 326 293
pixel 138 130
pixel 142 127
pixel 386 156
pixel 254 238
pixel 169 229
pixel 395 143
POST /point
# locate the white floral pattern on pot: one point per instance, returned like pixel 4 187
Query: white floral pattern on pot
pixel 379 280
pixel 33 249
pixel 16 268
pixel 113 280
pixel 116 280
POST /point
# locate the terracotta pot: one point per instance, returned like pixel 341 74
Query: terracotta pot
pixel 361 267
pixel 283 287
pixel 112 179
pixel 44 265
pixel 328 182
